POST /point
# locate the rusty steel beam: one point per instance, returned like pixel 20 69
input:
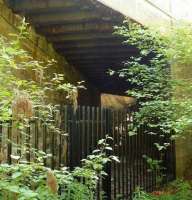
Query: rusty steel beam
pixel 91 69
pixel 101 54
pixel 98 43
pixel 97 50
pixel 82 61
pixel 84 48
pixel 92 73
pixel 79 27
pixel 94 58
pixel 37 6
pixel 78 16
pixel 97 57
pixel 114 63
pixel 80 36
pixel 103 67
pixel 94 65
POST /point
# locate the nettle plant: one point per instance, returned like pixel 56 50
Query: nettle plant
pixel 36 182
pixel 157 79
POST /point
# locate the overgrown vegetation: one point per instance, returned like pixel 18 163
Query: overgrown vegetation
pixel 159 80
pixel 153 85
pixel 34 181
pixel 23 77
pixel 25 90
pixel 176 191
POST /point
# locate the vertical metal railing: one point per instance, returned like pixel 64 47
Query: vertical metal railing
pixel 81 128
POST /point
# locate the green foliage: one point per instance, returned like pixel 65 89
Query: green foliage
pixel 21 74
pixel 29 182
pixel 155 165
pixel 178 190
pixel 152 85
pixel 26 87
pixel 159 79
pixel 140 195
pixel 151 82
pixel 179 40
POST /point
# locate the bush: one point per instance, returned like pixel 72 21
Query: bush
pixel 32 182
pixel 178 190
pixel 36 182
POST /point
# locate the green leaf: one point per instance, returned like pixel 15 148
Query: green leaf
pixel 16 175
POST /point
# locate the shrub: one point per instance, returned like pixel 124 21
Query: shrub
pixel 36 182
pixel 178 190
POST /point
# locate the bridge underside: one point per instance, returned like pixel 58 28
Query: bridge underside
pixel 81 31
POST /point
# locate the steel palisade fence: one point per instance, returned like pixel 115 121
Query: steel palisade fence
pixel 82 127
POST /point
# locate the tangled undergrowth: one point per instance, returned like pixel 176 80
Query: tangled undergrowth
pixel 35 182
pixel 178 190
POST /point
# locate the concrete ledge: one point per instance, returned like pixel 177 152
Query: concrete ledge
pixel 142 11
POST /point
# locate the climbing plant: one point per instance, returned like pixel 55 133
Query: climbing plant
pixel 150 78
pixel 159 79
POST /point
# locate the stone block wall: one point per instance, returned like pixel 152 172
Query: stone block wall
pixel 41 50
pixel 183 145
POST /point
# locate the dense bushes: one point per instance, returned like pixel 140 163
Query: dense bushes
pixel 159 78
pixel 30 182
pixel 35 182
pixel 25 87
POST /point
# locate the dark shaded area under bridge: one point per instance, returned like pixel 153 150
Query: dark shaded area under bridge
pixel 81 31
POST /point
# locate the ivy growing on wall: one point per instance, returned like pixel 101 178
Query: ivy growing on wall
pixel 158 82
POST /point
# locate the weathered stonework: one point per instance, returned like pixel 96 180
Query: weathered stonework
pixel 183 145
pixel 184 157
pixel 41 50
